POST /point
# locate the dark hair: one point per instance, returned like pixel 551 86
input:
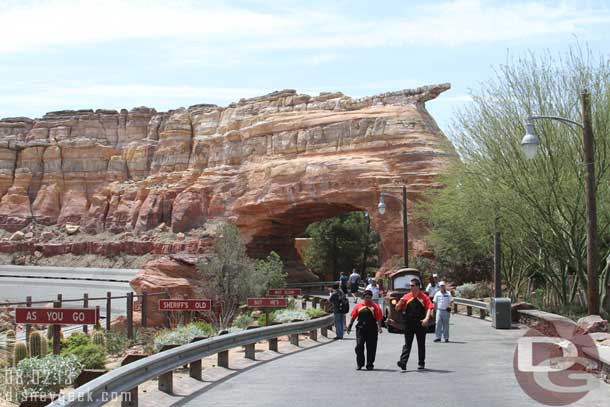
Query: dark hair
pixel 367 292
pixel 336 286
pixel 416 281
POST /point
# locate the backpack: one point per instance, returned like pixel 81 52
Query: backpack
pixel 343 304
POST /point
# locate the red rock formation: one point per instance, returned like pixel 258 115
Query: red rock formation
pixel 272 164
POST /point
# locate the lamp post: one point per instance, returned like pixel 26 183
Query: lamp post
pixel 381 207
pixel 530 143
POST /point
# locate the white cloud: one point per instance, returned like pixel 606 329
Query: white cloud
pixel 43 25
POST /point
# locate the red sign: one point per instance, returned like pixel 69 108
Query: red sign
pixel 284 291
pixel 56 316
pixel 185 305
pixel 267 302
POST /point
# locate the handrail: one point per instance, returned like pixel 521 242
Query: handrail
pixel 123 379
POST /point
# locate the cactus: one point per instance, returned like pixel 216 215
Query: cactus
pixel 99 338
pixel 20 352
pixel 10 341
pixel 35 344
pixel 50 330
pixel 44 347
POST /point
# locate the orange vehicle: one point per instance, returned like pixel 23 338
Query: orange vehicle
pixel 399 285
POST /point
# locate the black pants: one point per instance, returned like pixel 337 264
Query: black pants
pixel 368 337
pixel 417 330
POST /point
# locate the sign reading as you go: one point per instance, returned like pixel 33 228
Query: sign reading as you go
pixel 185 305
pixel 284 291
pixel 56 316
pixel 267 302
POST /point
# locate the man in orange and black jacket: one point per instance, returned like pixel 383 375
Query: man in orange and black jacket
pixel 369 317
pixel 417 309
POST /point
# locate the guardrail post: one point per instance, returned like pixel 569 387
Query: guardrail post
pixel 166 382
pixel 223 359
pixel 294 339
pixel 324 331
pixel 304 303
pixel 108 310
pixel 85 305
pixel 250 351
pixel 130 315
pixel 313 335
pixel 273 345
pixel 469 310
pixel 28 327
pixel 130 398
pixel 144 305
pixel 315 301
pixel 482 313
pixel 195 369
pixel 455 308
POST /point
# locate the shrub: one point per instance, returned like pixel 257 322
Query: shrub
pixel 315 312
pixel 47 375
pixel 74 341
pixel 91 356
pixel 263 321
pixel 472 290
pixel 179 336
pixel 99 338
pixel 116 342
pixel 288 315
pixel 243 320
pixel 203 327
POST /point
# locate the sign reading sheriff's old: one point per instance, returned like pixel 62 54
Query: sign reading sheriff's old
pixel 185 305
pixel 284 291
pixel 267 302
pixel 56 316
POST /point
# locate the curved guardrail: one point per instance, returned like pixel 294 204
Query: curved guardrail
pixel 128 377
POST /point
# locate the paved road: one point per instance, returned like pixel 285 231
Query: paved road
pixel 476 370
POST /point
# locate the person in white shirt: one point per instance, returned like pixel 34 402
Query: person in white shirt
pixel 432 287
pixel 374 288
pixel 442 300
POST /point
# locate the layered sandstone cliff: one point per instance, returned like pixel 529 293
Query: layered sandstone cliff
pixel 272 164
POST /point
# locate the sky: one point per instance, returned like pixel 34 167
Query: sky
pixel 61 54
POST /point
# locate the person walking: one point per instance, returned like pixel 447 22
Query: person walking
pixel 369 318
pixel 354 282
pixel 340 305
pixel 432 286
pixel 417 308
pixel 442 301
pixel 343 282
pixel 374 288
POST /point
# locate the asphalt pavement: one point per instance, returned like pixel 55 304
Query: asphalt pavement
pixel 474 369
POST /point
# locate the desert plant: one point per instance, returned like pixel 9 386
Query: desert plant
pixel 179 336
pixel 315 312
pixel 98 338
pixel 243 321
pixel 35 344
pixel 472 290
pixel 91 356
pixel 205 327
pixel 116 342
pixel 74 341
pixel 58 372
pixel 20 352
pixel 266 320
pixel 288 315
pixel 10 343
pixel 44 347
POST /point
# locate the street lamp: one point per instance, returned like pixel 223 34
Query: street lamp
pixel 530 145
pixel 381 207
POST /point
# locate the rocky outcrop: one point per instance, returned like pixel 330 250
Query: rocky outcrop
pixel 272 164
pixel 591 324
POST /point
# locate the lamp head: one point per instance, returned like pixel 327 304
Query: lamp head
pixel 381 206
pixel 530 141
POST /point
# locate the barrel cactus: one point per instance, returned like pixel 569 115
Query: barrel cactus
pixel 20 352
pixel 10 341
pixel 99 338
pixel 35 344
pixel 44 347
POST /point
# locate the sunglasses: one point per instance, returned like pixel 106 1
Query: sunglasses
pixel 414 285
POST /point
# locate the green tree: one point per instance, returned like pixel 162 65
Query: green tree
pixel 231 276
pixel 538 205
pixel 338 244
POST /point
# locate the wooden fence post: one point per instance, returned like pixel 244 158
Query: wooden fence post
pixel 56 331
pixel 130 315
pixel 144 305
pixel 28 327
pixel 85 305
pixel 108 309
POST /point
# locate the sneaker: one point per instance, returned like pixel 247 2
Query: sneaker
pixel 446 340
pixel 371 367
pixel 421 367
pixel 402 366
pixel 358 367
pixel 438 340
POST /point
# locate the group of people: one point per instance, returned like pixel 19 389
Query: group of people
pixel 417 307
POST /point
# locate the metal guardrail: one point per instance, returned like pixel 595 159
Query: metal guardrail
pixel 128 377
pixel 482 306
